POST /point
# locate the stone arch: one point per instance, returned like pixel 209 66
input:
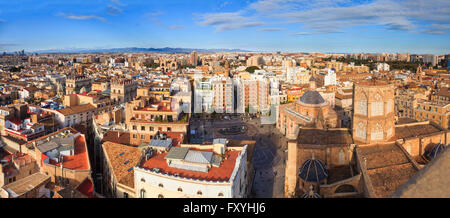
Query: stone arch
pixel 142 193
pixel 345 188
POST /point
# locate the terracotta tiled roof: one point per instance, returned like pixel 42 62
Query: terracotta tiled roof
pixel 87 188
pixel 403 132
pixel 222 173
pixel 177 137
pixel 433 181
pixel 387 179
pixel 444 92
pixel 388 167
pixel 324 137
pixel 77 109
pixel 113 136
pixel 122 158
pixel 80 159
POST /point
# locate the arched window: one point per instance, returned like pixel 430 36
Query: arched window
pixel 341 157
pixel 160 196
pixel 142 193
pixel 345 189
pixel 377 132
pixel 220 194
pixel 161 185
pixel 199 192
pixel 180 189
pixel 362 105
pixel 361 131
pixel 377 105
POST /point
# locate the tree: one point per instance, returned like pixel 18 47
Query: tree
pixel 252 69
pixel 151 65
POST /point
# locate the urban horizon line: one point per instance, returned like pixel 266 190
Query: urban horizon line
pixel 200 50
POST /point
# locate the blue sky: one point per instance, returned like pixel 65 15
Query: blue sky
pixel 416 26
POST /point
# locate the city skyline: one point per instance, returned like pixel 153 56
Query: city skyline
pixel 342 26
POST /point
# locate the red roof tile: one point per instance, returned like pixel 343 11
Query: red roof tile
pixel 80 159
pixel 222 173
pixel 87 188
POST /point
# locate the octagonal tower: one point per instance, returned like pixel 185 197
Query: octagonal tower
pixel 373 112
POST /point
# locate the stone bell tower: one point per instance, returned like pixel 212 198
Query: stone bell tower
pixel 373 112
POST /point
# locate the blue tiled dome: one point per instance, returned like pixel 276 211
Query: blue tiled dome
pixel 313 170
pixel 436 150
pixel 312 97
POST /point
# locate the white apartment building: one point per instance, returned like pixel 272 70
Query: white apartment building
pixel 193 171
pixel 253 93
pixel 180 91
pixel 70 116
pixel 330 78
pixel 223 94
pixel 297 75
pixel 203 95
pixel 383 67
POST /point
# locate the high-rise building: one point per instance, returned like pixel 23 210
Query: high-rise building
pixel 193 59
pixel 430 58
pixel 255 61
pixel 223 94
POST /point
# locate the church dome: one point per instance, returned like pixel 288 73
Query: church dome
pixel 436 150
pixel 312 97
pixel 313 170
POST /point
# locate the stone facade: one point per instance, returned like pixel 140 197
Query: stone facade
pixel 373 117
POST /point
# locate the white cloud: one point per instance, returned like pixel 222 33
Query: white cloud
pixel 227 21
pixel 113 10
pixel 175 27
pixel 325 16
pixel 81 17
pixel 270 29
pixel 117 2
pixel 154 18
pixel 437 29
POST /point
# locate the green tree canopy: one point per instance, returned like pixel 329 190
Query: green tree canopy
pixel 252 69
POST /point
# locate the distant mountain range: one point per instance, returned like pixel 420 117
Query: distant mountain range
pixel 138 50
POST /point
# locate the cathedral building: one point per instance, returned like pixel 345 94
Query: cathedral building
pixel 311 110
pixel 371 159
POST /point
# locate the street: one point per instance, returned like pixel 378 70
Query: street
pixel 268 157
